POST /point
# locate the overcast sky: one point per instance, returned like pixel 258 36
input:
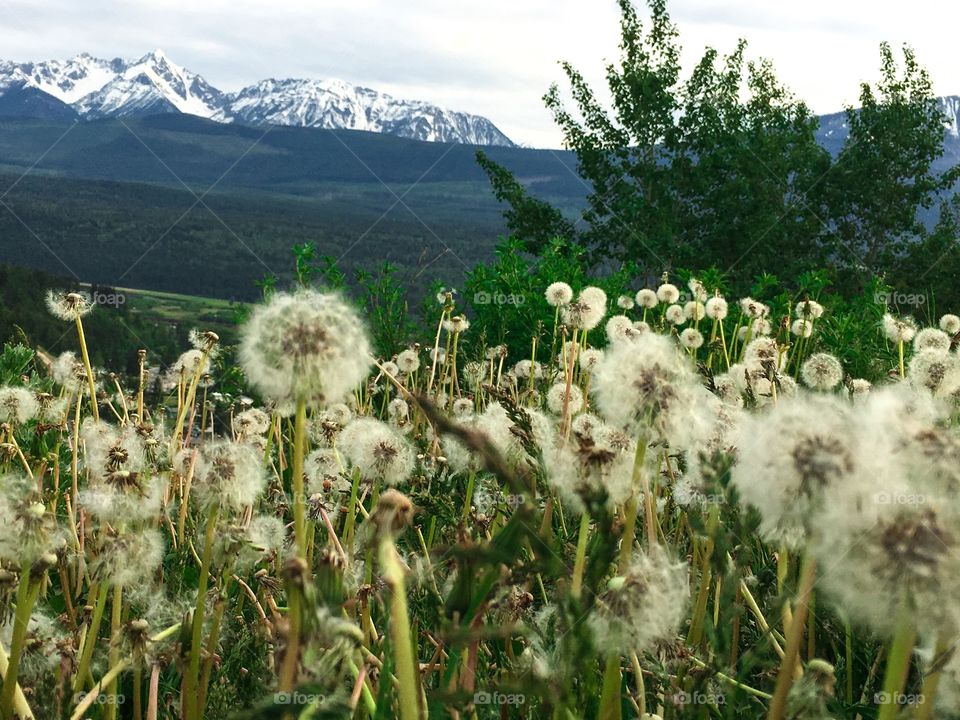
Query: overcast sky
pixel 494 58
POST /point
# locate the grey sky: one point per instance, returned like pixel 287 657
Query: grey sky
pixel 494 58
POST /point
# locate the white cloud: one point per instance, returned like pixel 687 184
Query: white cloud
pixel 495 58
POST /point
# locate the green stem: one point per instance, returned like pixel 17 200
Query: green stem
pixel 400 631
pixel 778 706
pixel 90 640
pixel 89 370
pixel 898 664
pixel 27 593
pixel 193 673
pixel 610 695
pixel 299 501
pixel 114 654
pixel 576 586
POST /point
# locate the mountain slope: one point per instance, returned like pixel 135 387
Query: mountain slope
pixel 154 84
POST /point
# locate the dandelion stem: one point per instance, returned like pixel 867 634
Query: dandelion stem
pixel 193 673
pixel 400 630
pixel 20 705
pixel 789 663
pixel 932 681
pixel 27 592
pixel 898 663
pixel 299 502
pixel 88 369
pixel 610 695
pixel 580 562
pixel 90 639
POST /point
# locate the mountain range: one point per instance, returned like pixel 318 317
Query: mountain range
pixel 90 88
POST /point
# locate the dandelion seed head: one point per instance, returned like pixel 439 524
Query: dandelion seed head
pixel 558 294
pixel 227 474
pixel 307 346
pixel 950 324
pixel 646 298
pixel 589 358
pixel 698 290
pixel 619 328
pixel 625 302
pixel 462 407
pixel 645 604
pixel 694 311
pixel 18 405
pixel 377 451
pixel 691 338
pixel 668 293
pixel 898 329
pixel 129 558
pixel 251 422
pixel 556 394
pixel 716 308
pixel 408 361
pixel 675 315
pixel 821 371
pixel 802 327
pixel 809 309
pixel 931 339
pixel 68 305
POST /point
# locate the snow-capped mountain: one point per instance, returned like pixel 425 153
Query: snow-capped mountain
pixel 337 104
pixel 96 88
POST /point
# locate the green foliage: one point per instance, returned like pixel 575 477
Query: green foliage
pixel 724 169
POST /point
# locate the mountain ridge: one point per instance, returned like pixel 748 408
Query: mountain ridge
pixel 95 88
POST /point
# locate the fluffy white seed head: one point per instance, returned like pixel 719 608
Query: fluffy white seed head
pixel 821 371
pixel 716 308
pixel 68 305
pixel 306 346
pixel 378 451
pixel 18 405
pixel 950 324
pixel 899 329
pixel 802 327
pixel 647 298
pixel 408 361
pixel 668 293
pixel 691 338
pixel 931 339
pixel 228 474
pixel 558 294
pixel 625 302
pixel 675 315
pixel 809 309
pixel 556 394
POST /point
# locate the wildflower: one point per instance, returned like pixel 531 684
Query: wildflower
pixel 590 470
pixel 931 339
pixel 950 324
pixel 647 386
pixel 698 290
pixel 625 302
pixel 899 330
pixel 68 371
pixel 691 338
pixel 589 358
pixel 646 298
pixel 587 311
pixel 524 368
pixel 399 411
pixel 129 558
pixel 668 294
pixel 822 371
pixel 675 315
pixel 859 388
pixel 68 305
pixel 377 451
pixel 456 324
pixel 753 309
pixel 227 474
pixel 788 456
pixel 645 604
pixel 802 327
pixel 305 347
pixel 928 369
pixel 473 373
pixel 620 329
pixel 28 531
pixel 809 309
pixel 716 308
pixel 251 422
pixel 408 361
pixel 641 327
pixel 17 405
pixel 558 294
pixel 694 311
pixel 556 394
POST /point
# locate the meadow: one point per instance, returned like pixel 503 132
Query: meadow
pixel 673 505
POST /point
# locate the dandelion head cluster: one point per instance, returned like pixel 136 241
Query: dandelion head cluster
pixel 559 294
pixel 306 347
pixel 68 305
pixel 377 451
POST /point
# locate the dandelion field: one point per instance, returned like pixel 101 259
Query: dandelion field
pixel 673 506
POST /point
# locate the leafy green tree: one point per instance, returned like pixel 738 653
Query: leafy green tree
pixel 884 174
